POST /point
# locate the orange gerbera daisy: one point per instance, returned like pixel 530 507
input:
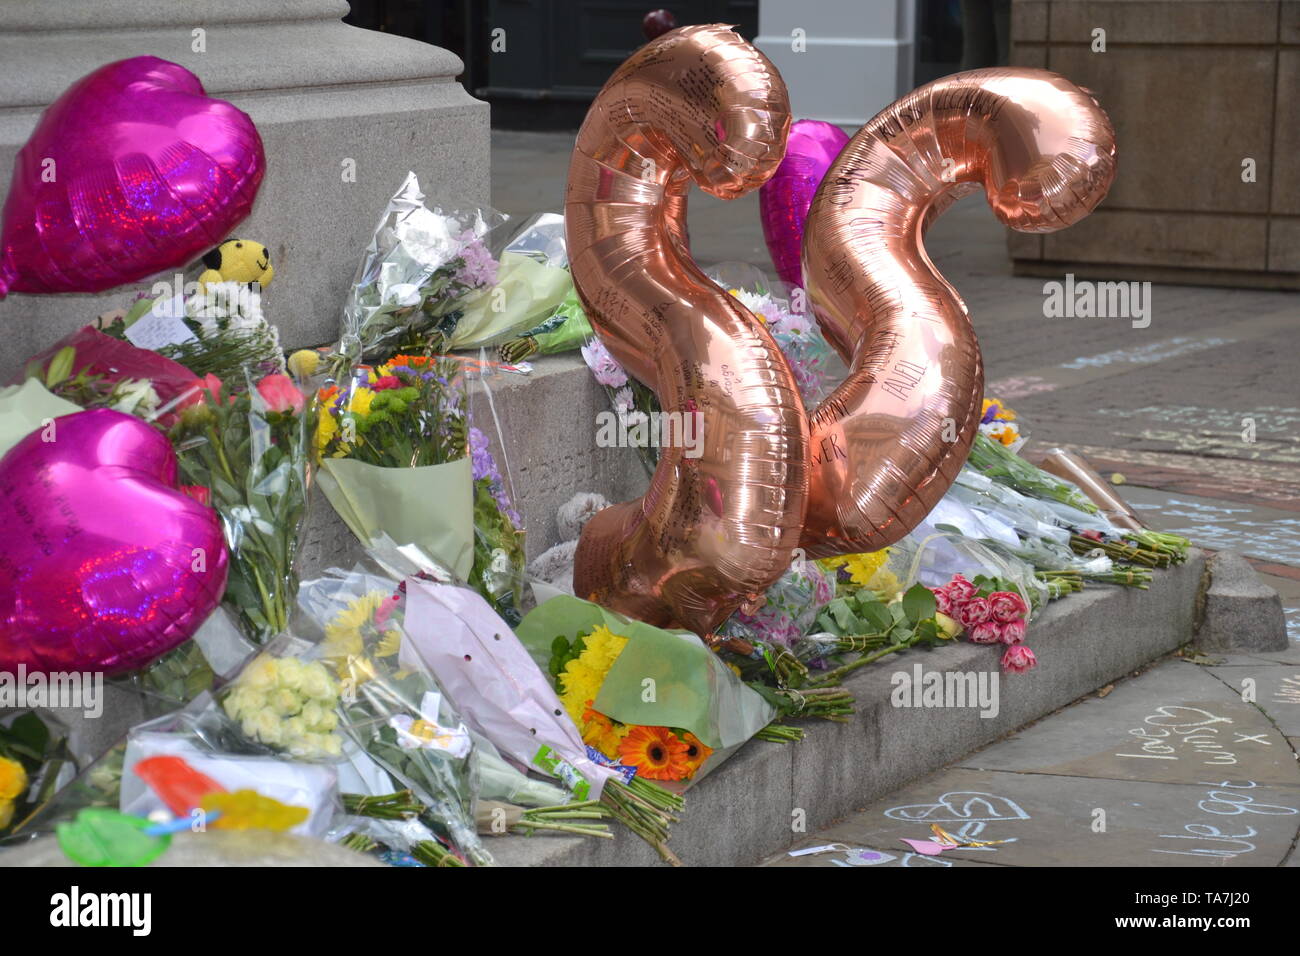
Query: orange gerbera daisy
pixel 696 752
pixel 656 752
pixel 600 732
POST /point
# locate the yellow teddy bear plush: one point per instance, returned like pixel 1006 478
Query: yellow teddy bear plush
pixel 237 260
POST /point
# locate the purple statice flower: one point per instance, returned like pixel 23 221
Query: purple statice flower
pixel 483 465
pixel 992 412
pixel 478 268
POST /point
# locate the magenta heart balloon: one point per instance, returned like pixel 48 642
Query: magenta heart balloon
pixel 104 564
pixel 131 171
pixel 784 199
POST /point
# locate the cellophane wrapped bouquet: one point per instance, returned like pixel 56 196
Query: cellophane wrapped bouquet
pixel 401 461
pixel 424 266
pixel 391 705
pixel 506 697
pixel 244 448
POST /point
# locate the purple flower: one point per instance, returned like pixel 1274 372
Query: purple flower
pixel 483 465
pixel 478 268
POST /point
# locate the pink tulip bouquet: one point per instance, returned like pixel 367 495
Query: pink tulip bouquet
pixel 247 445
pixel 989 615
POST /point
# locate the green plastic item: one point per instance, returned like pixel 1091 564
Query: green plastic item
pixel 104 837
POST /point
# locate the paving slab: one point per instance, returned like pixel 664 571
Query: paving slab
pixel 846 854
pixel 1176 723
pixel 1276 691
pixel 1051 820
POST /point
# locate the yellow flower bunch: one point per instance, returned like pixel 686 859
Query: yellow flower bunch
pixel 581 678
pixel 346 634
pixel 1004 413
pixel 13 781
pixel 866 570
pixel 288 704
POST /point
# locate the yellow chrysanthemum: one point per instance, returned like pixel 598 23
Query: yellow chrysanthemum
pixel 581 679
pixel 327 427
pixel 359 403
pixel 390 643
pixel 13 779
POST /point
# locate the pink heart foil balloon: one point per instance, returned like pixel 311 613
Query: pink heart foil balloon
pixel 104 564
pixel 784 199
pixel 133 170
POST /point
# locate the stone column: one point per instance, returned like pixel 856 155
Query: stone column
pixel 856 58
pixel 321 93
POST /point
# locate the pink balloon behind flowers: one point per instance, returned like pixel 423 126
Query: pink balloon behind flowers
pixel 104 564
pixel 784 199
pixel 134 169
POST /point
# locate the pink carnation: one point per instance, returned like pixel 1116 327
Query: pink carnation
pixel 385 382
pixel 1013 632
pixel 942 601
pixel 603 365
pixel 1006 606
pixel 1018 659
pixel 988 632
pixel 975 611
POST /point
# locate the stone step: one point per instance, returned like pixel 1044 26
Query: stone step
pixel 770 796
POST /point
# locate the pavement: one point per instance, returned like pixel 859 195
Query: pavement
pixel 1191 762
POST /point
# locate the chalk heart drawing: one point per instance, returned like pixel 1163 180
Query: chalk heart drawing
pixel 960 806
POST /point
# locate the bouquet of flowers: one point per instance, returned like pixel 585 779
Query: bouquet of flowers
pixel 789 611
pixel 216 330
pixel 998 422
pixel 505 696
pixel 695 713
pixel 391 705
pixel 532 279
pixel 244 450
pixel 397 437
pixel 990 614
pixel 92 370
pixel 422 269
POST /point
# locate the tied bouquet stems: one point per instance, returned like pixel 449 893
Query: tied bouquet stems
pixel 997 461
pixel 828 703
pixel 244 451
pixel 492 816
pixel 1151 549
pixel 500 818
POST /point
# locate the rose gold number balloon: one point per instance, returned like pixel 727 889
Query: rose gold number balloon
pixel 889 441
pixel 716 528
